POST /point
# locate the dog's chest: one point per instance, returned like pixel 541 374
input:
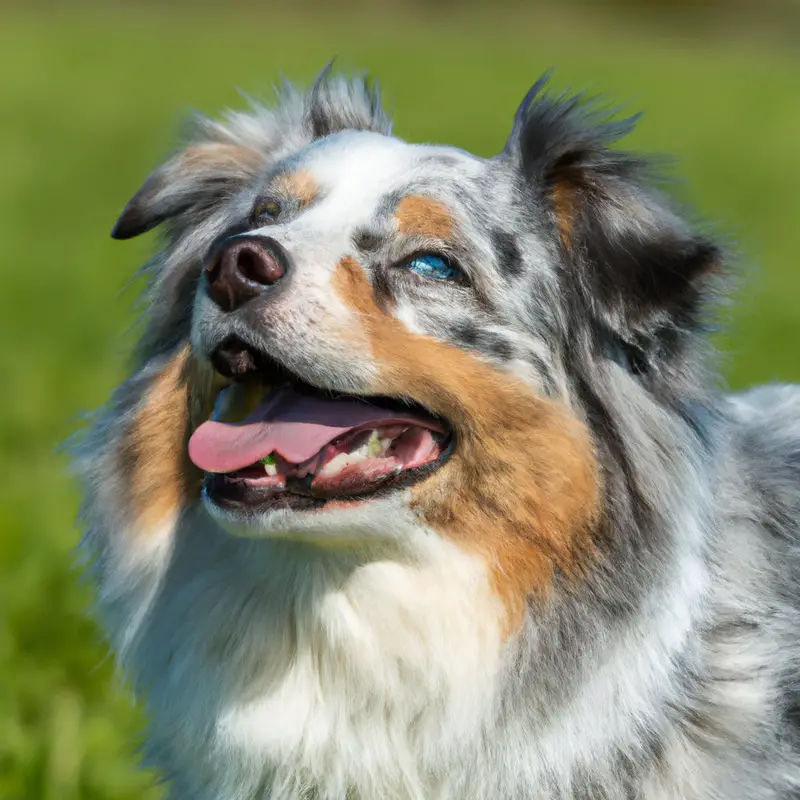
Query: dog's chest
pixel 369 681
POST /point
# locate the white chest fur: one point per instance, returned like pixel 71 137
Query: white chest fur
pixel 270 667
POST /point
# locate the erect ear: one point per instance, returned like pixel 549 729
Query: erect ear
pixel 629 250
pixel 194 179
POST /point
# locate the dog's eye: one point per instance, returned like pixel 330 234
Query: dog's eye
pixel 266 212
pixel 432 266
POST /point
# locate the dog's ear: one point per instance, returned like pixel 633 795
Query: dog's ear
pixel 227 154
pixel 193 180
pixel 623 244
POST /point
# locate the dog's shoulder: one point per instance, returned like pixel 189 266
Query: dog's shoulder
pixel 766 440
pixel 753 700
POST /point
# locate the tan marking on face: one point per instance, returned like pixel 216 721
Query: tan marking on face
pixel 421 216
pixel 217 155
pixel 300 184
pixel 352 286
pixel 160 477
pixel 564 206
pixel 522 488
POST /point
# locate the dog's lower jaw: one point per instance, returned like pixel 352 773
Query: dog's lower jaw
pixel 359 526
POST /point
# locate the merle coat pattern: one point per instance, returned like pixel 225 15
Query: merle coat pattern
pixel 596 596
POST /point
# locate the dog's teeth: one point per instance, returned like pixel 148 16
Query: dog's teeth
pixel 374 447
pixel 340 462
pixel 377 445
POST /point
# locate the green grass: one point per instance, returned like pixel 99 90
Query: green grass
pixel 89 107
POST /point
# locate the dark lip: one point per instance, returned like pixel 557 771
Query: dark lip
pixel 236 495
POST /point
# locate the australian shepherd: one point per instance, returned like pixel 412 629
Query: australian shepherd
pixel 422 486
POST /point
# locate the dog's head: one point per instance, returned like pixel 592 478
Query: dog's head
pixel 352 333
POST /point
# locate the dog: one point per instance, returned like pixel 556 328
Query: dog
pixel 422 484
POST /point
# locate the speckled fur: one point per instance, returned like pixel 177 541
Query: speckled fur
pixel 358 654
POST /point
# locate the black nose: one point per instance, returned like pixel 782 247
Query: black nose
pixel 244 267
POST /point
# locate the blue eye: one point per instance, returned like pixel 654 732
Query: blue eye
pixel 432 267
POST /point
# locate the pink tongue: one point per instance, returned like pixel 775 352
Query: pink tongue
pixel 294 425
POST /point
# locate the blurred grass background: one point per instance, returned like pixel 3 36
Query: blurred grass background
pixel 90 97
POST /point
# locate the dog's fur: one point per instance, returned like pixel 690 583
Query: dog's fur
pixel 595 597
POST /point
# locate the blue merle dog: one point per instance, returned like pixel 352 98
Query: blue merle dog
pixel 421 486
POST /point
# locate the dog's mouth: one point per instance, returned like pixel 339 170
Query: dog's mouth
pixel 299 447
